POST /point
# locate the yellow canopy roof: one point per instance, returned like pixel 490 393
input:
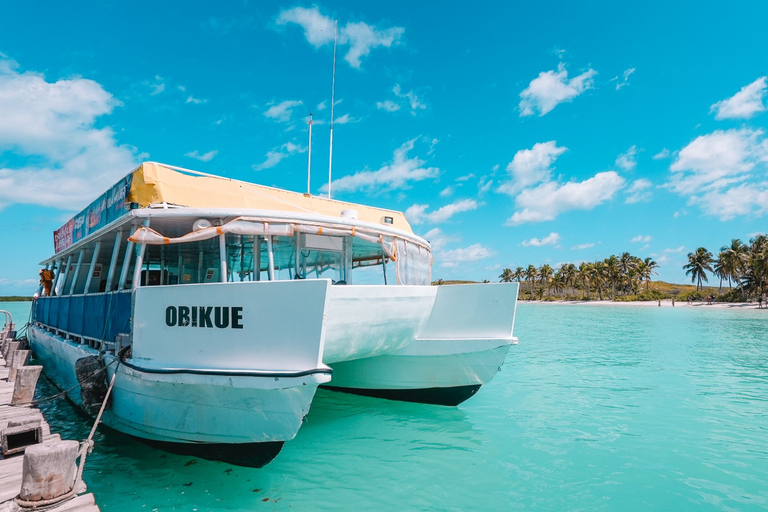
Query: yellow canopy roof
pixel 156 183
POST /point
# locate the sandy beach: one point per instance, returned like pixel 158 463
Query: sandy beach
pixel 666 303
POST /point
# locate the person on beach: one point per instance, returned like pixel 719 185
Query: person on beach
pixel 760 302
pixel 673 302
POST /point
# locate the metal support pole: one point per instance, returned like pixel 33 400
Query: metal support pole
pixel 79 265
pixel 271 256
pixel 223 257
pixel 113 261
pixel 91 267
pixel 126 264
pixel 136 282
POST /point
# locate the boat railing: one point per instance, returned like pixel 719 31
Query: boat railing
pixel 95 319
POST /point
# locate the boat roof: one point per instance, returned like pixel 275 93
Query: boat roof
pixel 165 193
pixel 155 183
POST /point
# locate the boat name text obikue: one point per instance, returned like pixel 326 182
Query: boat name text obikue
pixel 204 316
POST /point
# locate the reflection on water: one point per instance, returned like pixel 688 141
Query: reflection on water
pixel 597 408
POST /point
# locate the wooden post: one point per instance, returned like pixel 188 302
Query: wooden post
pixel 9 349
pixel 19 358
pixel 24 386
pixel 49 470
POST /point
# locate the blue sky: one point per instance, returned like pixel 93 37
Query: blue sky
pixel 510 134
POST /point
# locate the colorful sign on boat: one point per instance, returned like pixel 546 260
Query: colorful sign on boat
pixel 108 207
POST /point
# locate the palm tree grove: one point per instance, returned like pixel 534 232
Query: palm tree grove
pixel 743 267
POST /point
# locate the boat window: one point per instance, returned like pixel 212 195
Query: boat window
pixel 190 263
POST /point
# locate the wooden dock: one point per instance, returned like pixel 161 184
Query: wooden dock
pixel 11 467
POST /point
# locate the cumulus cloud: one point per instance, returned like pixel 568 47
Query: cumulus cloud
pixel 664 153
pixel 628 160
pixel 744 104
pixel 318 29
pixel 551 88
pixel 724 172
pixel 405 98
pixel 68 161
pixel 437 239
pixel 474 252
pixel 359 37
pixel 388 105
pixel 550 199
pixel 641 239
pixel 283 111
pixel 625 78
pixel 551 239
pixel 532 166
pixel 417 214
pixel 447 191
pixel 194 100
pixel 395 175
pixel 638 191
pixel 205 157
pixel 278 154
pixel 581 247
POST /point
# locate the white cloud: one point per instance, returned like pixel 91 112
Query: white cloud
pixel 676 250
pixel 345 119
pixel 322 106
pixel 278 154
pixel 196 101
pixel 283 111
pixel 474 252
pixel 417 214
pixel 664 153
pixel 711 165
pixel 551 88
pixel 532 166
pixel 628 160
pixel 625 80
pixel 318 29
pixel 205 157
pixel 388 105
pixel 68 160
pixel 157 86
pixel 437 239
pixel 548 200
pixel 447 191
pixel 638 191
pixel 466 177
pixel 641 239
pixel 395 175
pixel 360 37
pixel 551 239
pixel 581 247
pixel 408 98
pixel 744 104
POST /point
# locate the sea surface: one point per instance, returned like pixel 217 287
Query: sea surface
pixel 598 408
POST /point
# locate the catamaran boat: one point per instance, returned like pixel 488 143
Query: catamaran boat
pixel 220 306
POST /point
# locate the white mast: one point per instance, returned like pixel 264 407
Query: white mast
pixel 333 91
pixel 309 150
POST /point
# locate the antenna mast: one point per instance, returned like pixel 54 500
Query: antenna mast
pixel 309 157
pixel 333 93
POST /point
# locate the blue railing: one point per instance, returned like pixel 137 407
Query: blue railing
pixel 100 316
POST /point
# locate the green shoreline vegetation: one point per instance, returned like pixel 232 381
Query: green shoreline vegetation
pixel 15 298
pixel 628 278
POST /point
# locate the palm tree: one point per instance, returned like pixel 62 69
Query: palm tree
pixel 613 273
pixel 733 260
pixel 530 276
pixel 584 275
pixel 647 268
pixel 545 275
pixel 519 274
pixel 506 276
pixel 699 263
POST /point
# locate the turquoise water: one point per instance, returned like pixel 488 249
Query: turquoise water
pixel 597 408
